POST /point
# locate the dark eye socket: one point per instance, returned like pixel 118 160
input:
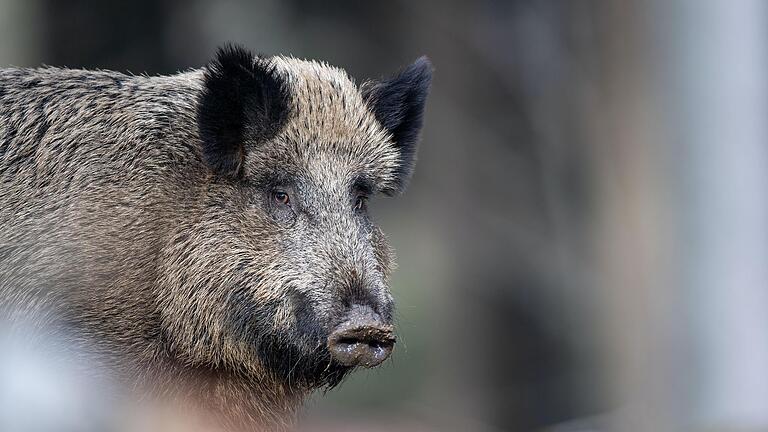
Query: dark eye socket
pixel 281 197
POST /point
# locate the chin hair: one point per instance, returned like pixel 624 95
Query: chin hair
pixel 298 365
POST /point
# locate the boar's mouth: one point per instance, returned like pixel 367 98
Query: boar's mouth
pixel 307 353
pixel 296 356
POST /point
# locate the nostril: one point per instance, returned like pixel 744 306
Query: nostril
pixel 348 341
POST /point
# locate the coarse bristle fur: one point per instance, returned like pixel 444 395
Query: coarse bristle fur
pixel 203 233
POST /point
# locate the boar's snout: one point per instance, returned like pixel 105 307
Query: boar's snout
pixel 362 339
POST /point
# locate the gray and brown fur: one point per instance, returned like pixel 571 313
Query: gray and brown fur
pixel 137 214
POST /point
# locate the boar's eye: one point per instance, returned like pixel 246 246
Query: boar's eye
pixel 281 197
pixel 281 208
pixel 361 202
pixel 361 190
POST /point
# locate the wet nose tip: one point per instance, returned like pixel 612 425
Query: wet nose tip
pixel 363 339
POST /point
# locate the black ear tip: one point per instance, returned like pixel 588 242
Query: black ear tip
pixel 420 71
pixel 230 49
pixel 424 63
pixel 232 56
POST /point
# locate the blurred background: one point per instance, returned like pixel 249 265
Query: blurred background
pixel 584 245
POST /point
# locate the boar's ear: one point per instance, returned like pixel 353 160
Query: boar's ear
pixel 243 100
pixel 398 104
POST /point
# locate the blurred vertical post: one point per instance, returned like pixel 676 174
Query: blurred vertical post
pixel 715 82
pixel 632 227
pixel 682 134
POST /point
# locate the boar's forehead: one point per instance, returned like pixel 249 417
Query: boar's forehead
pixel 331 131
